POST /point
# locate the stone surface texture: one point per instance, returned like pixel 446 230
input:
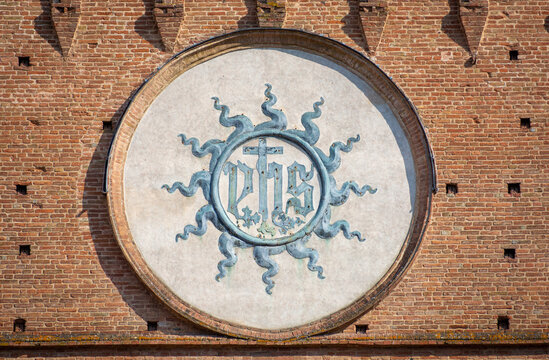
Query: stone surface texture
pixel 76 286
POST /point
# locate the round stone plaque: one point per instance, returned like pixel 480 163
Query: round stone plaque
pixel 269 184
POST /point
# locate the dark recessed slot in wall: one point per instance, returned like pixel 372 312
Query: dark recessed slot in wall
pixel 21 189
pixel 503 323
pixel 513 55
pixel 525 123
pixel 451 189
pixel 152 325
pixel 513 188
pixel 19 325
pixel 24 61
pixel 24 249
pixel 509 253
pixel 107 125
pixel 361 329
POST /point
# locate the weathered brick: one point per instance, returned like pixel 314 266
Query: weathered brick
pixel 76 284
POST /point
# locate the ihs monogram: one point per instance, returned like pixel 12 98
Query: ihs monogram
pixel 244 227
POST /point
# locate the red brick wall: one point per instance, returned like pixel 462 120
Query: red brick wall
pixel 76 281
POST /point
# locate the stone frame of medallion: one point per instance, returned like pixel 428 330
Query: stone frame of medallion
pixel 272 38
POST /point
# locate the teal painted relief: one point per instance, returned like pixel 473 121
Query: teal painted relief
pixel 282 219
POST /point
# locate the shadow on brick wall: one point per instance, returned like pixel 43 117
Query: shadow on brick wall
pixel 451 25
pixel 132 291
pixel 146 26
pixel 250 19
pixel 546 24
pixel 43 25
pixel 352 26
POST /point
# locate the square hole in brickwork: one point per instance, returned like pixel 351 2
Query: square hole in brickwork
pixel 152 325
pixel 509 253
pixel 361 329
pixel 451 189
pixel 525 123
pixel 24 249
pixel 503 323
pixel 513 55
pixel 21 189
pixel 24 61
pixel 513 188
pixel 107 125
pixel 19 325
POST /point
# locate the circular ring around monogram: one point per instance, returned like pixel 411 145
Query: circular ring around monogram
pixel 277 221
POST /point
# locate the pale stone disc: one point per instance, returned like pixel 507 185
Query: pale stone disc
pixel 381 159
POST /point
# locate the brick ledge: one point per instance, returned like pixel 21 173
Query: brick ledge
pixel 418 339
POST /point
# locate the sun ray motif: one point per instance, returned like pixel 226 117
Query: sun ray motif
pixel 298 250
pixel 262 256
pixel 294 237
pixel 278 119
pixel 311 133
pixel 227 243
pixel 198 179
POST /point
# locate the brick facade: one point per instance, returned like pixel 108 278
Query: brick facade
pixel 57 118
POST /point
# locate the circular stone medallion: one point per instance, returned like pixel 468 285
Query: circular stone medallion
pixel 263 185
